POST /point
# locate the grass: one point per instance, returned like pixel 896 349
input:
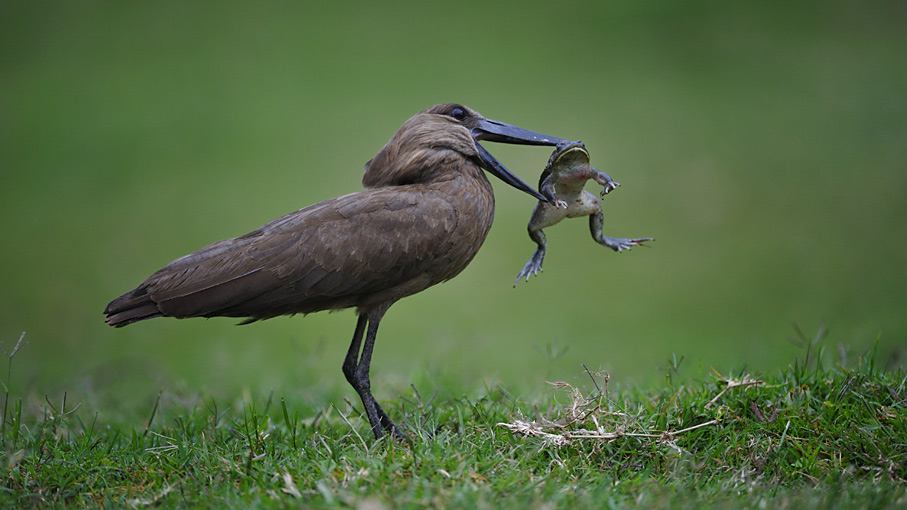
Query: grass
pixel 815 434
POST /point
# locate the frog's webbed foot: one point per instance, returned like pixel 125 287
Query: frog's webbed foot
pixel 619 244
pixel 616 244
pixel 533 267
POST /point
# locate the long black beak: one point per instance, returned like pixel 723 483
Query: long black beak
pixel 495 131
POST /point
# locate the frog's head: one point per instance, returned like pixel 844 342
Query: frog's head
pixel 569 154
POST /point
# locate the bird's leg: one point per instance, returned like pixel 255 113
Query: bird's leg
pixel 535 263
pixel 352 355
pixel 605 180
pixel 356 370
pixel 595 226
pixel 362 372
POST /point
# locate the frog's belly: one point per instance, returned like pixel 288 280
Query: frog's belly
pixel 547 214
pixel 583 204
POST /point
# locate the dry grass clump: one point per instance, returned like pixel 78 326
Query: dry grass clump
pixel 593 418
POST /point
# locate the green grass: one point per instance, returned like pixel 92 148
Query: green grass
pixel 817 434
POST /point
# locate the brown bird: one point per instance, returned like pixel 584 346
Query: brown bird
pixel 426 212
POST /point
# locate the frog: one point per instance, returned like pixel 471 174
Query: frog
pixel 561 183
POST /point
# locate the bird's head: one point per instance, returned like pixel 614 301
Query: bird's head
pixel 442 137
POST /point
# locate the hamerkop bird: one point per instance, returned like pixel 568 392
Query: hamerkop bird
pixel 425 213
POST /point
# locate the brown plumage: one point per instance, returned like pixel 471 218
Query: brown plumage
pixel 423 218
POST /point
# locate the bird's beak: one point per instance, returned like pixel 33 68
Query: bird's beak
pixel 495 131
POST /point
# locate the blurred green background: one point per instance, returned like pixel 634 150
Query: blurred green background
pixel 763 145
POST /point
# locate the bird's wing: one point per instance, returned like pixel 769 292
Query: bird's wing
pixel 324 256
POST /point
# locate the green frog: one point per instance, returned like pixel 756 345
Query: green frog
pixel 562 184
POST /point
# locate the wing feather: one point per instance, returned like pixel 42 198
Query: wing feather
pixel 330 255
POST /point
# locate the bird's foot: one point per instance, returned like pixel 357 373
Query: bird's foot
pixel 394 432
pixel 384 425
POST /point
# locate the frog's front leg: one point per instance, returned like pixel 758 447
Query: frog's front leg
pixel 605 180
pixel 548 190
pixel 616 244
pixel 535 263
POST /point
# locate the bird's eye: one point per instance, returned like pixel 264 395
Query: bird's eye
pixel 458 113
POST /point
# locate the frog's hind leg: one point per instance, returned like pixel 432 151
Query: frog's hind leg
pixel 535 263
pixel 617 244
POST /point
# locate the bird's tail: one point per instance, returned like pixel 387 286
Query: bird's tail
pixel 133 306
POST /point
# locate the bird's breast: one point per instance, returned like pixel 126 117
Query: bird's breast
pixel 470 209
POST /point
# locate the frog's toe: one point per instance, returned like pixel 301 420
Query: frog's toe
pixel 626 244
pixel 611 186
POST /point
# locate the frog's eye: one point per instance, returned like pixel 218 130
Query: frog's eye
pixel 458 113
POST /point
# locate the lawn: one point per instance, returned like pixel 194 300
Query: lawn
pixel 819 434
